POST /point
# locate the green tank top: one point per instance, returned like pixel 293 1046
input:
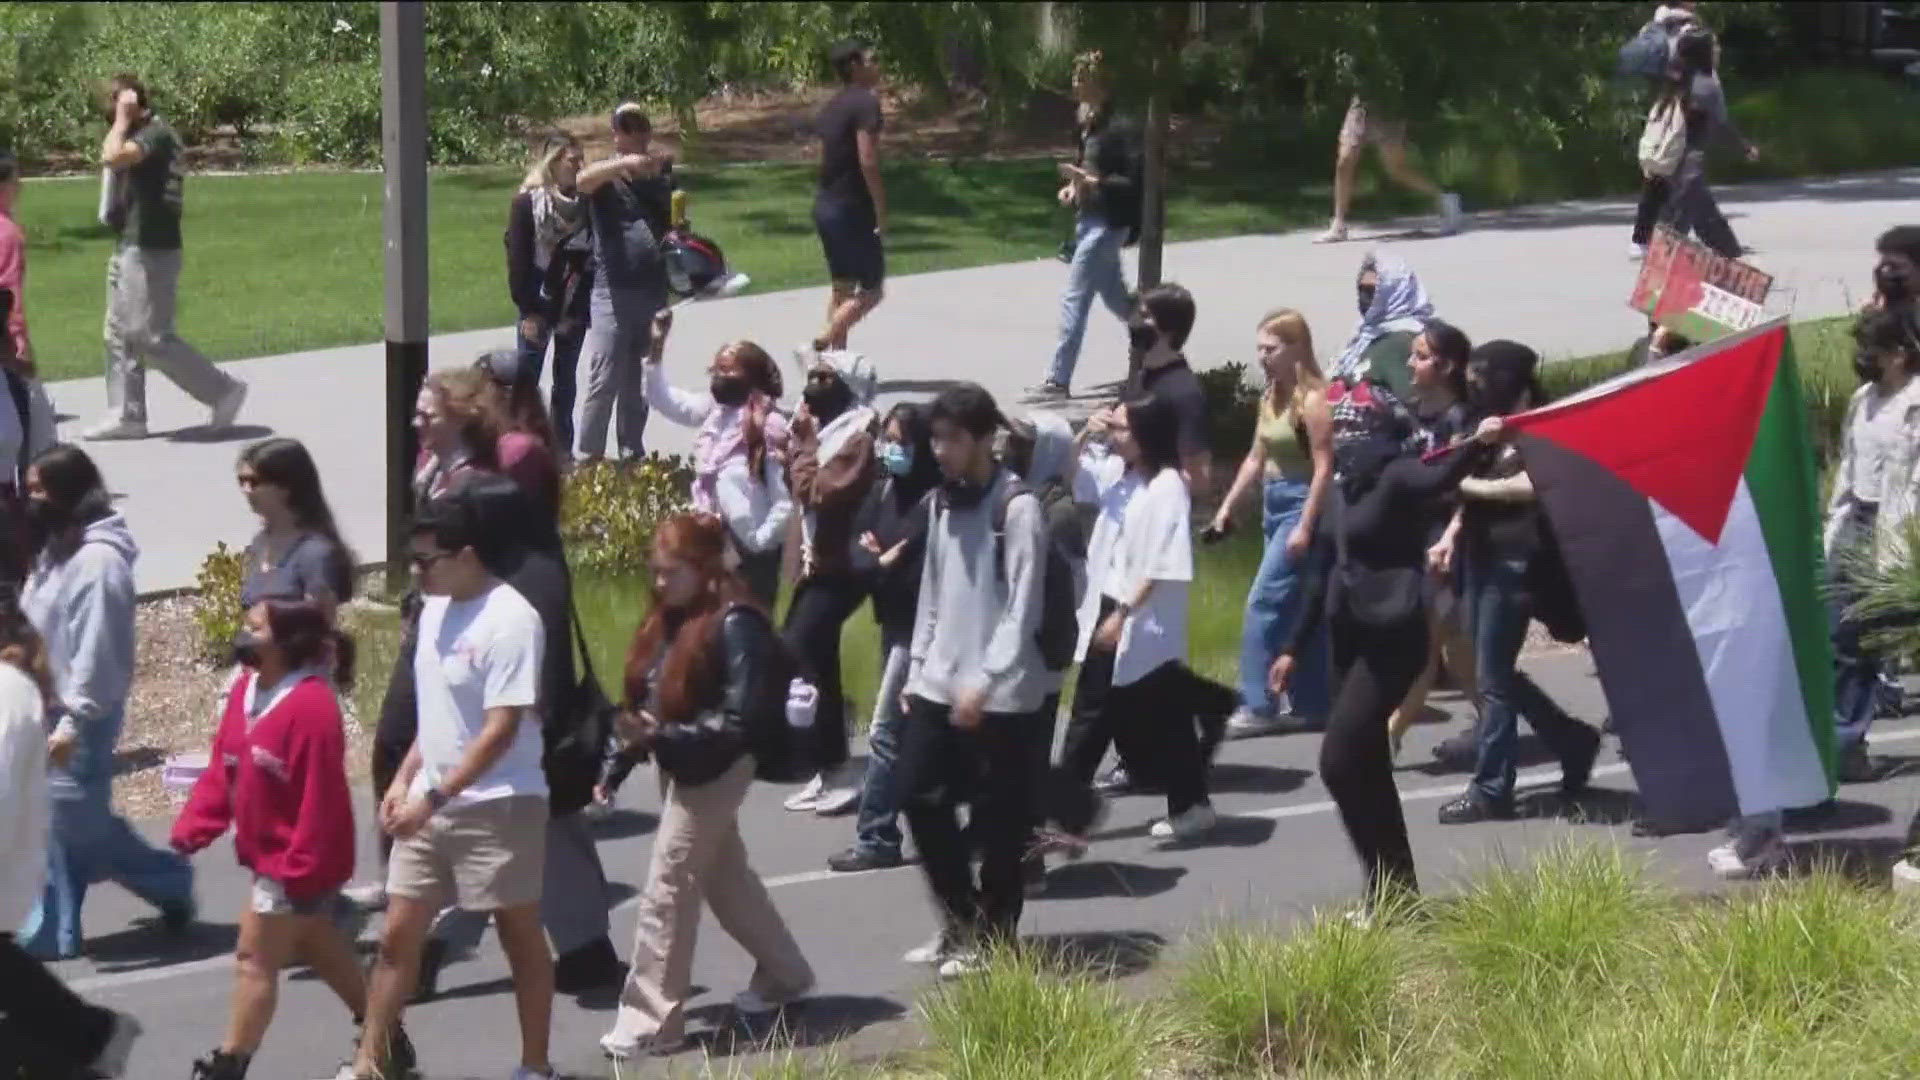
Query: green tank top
pixel 1285 451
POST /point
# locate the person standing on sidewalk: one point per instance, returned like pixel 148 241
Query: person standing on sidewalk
pixel 850 207
pixel 468 809
pixel 630 201
pixel 1292 460
pixel 703 684
pixel 45 1028
pixel 1359 129
pixel 80 597
pixel 143 274
pixel 1499 538
pixel 1102 185
pixel 550 273
pixel 976 683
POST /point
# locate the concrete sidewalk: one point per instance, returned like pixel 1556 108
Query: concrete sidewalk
pixel 1554 276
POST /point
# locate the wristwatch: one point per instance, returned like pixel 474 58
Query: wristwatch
pixel 436 799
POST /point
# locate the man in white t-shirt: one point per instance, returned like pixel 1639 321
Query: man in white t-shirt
pixel 468 809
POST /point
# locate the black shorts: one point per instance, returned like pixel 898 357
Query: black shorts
pixel 852 246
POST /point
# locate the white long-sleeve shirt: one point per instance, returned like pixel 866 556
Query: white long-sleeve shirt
pixel 757 512
pixel 24 813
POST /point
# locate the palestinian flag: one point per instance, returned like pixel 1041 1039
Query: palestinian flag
pixel 1683 498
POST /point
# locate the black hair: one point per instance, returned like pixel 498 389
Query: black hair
pixel 1450 344
pixel 452 522
pixel 9 167
pixel 844 55
pixel 305 636
pixel 1893 327
pixel 1509 371
pixel 1155 427
pixel 1171 306
pixel 968 407
pixel 1694 50
pixel 77 494
pixel 1900 240
pixel 917 426
pixel 286 464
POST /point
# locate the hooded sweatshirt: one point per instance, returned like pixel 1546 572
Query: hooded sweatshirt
pixel 979 606
pixel 83 606
pixel 23 798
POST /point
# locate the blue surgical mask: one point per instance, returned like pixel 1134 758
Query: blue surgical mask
pixel 897 459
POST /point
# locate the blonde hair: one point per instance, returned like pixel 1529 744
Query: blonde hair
pixel 552 149
pixel 1291 328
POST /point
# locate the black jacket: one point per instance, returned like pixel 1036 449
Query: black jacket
pixel 698 750
pixel 1109 147
pixel 562 289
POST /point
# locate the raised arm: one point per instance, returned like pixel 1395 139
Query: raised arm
pixel 120 150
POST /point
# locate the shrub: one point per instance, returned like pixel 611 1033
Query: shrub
pixel 609 512
pixel 217 605
pixel 1233 405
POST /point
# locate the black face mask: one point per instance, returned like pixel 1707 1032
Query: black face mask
pixel 1141 335
pixel 1366 294
pixel 1892 284
pixel 40 515
pixel 730 390
pixel 827 401
pixel 246 648
pixel 1866 366
pixel 963 494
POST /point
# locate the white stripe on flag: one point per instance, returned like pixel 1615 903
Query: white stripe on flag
pixel 1739 625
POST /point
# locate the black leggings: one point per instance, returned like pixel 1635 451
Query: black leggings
pixel 1373 670
pixel 45 1029
pixel 821 606
pixel 1653 198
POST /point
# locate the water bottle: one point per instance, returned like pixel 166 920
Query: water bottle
pixel 803 700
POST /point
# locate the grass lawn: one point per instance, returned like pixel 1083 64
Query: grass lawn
pixel 286 263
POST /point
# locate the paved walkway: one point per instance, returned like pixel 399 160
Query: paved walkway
pixel 1554 276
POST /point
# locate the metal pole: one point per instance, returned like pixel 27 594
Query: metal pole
pixel 403 148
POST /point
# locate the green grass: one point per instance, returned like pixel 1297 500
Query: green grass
pixel 290 262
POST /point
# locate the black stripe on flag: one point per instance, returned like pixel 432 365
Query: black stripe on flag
pixel 1648 662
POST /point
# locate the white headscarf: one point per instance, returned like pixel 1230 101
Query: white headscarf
pixel 1399 304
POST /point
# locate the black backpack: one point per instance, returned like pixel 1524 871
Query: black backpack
pixel 1059 632
pixel 780 750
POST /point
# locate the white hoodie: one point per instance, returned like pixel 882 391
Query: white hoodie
pixel 83 607
pixel 23 796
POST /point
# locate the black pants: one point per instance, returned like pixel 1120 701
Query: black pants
pixel 1691 207
pixel 939 767
pixel 1653 199
pixel 1372 671
pixel 45 1029
pixel 820 608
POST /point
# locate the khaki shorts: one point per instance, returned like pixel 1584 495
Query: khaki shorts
pixel 1358 129
pixel 490 855
pixel 269 897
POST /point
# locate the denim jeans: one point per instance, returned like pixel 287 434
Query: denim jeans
pixel 878 831
pixel 1856 675
pixel 90 843
pixel 1095 269
pixel 1273 602
pixel 1497 607
pixel 566 362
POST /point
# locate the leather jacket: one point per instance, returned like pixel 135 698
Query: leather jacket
pixel 698 750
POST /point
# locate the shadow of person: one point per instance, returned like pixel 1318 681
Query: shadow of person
pixel 1091 879
pixel 808 1023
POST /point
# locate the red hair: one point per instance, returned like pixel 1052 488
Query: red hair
pixel 690 670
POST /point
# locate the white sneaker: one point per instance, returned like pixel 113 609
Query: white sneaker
pixel 621 1049
pixel 1729 865
pixel 113 1059
pixel 841 792
pixel 1247 724
pixel 1636 252
pixel 1190 824
pixel 228 407
pixel 934 950
pixel 524 1073
pixel 962 964
pixel 1906 877
pixel 807 798
pixel 368 897
pixel 113 427
pixel 1449 213
pixel 1336 233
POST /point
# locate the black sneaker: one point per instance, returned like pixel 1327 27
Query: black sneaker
pixel 1116 781
pixel 220 1065
pixel 1459 750
pixel 855 859
pixel 1471 809
pixel 1033 869
pixel 590 967
pixel 177 917
pixel 1857 767
pixel 1576 771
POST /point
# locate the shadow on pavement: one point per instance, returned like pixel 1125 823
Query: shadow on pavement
pixel 146 944
pixel 814 1022
pixel 622 824
pixel 1237 778
pixel 1089 880
pixel 1866 860
pixel 202 433
pixel 1105 954
pixel 1837 815
pixel 1594 806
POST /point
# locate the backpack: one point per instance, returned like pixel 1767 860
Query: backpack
pixel 1663 142
pixel 781 714
pixel 1059 633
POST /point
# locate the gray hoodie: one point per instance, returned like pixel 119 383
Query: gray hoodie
pixel 83 607
pixel 976 622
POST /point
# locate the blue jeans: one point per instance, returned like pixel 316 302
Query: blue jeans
pixel 1497 609
pixel 566 361
pixel 1095 269
pixel 1273 603
pixel 1856 675
pixel 90 843
pixel 878 830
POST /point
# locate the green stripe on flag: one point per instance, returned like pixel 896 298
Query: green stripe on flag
pixel 1780 478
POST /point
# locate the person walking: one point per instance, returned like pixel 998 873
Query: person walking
pixel 976 683
pixel 739 450
pixel 26 419
pixel 831 469
pixel 1102 186
pixel 1691 207
pixel 850 206
pixel 298 540
pixel 277 776
pixel 550 273
pixel 526 446
pixel 701 681
pixel 143 273
pixel 1359 129
pixel 80 597
pixel 1667 23
pixel 896 537
pixel 1393 308
pixel 629 201
pixel 45 1028
pixel 13 265
pixel 1370 595
pixel 1499 538
pixel 1291 459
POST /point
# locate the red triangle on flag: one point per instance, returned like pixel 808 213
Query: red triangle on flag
pixel 1681 437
